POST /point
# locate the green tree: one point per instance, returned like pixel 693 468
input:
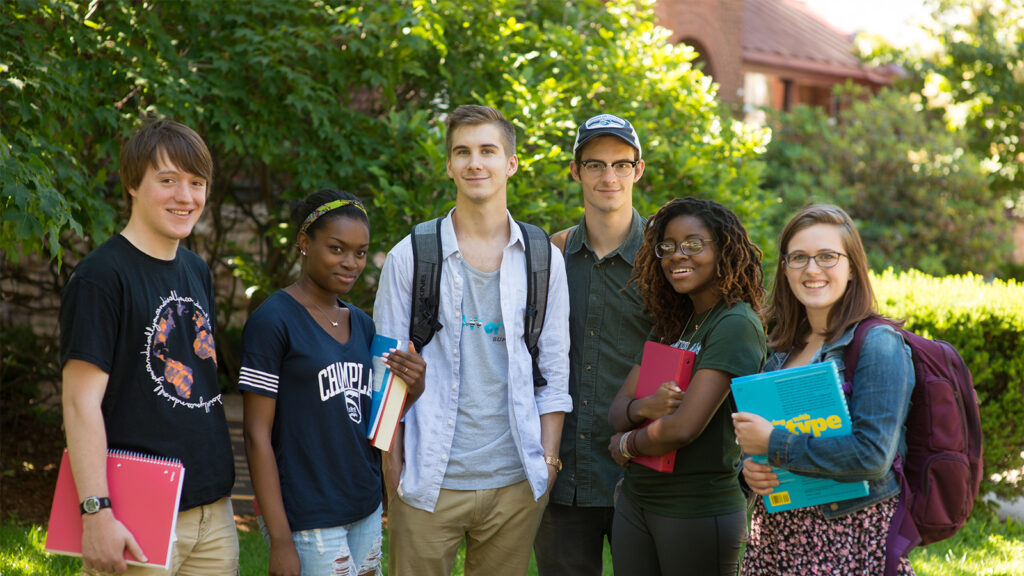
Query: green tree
pixel 920 200
pixel 972 70
pixel 977 78
pixel 293 96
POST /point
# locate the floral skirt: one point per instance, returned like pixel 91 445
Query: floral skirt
pixel 802 542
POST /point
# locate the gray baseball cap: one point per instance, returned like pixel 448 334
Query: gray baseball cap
pixel 606 124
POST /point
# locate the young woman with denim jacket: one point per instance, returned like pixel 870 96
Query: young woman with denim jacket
pixel 822 291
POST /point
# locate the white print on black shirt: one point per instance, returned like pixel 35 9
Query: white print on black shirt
pixel 179 340
pixel 345 378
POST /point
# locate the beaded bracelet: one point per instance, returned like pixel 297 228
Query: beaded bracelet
pixel 624 445
pixel 631 445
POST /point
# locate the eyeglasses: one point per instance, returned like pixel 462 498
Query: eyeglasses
pixel 596 168
pixel 690 247
pixel 799 260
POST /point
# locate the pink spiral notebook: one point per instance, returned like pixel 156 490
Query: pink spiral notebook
pixel 144 495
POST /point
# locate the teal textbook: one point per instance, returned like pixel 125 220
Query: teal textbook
pixel 804 400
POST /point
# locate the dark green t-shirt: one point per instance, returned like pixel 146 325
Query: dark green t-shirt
pixel 704 481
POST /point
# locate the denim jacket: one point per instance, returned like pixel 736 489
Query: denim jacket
pixel 878 412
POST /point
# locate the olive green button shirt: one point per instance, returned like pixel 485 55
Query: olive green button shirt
pixel 607 330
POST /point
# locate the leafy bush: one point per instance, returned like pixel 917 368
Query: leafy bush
pixel 985 322
pixel 296 96
pixel 30 372
pixel 919 199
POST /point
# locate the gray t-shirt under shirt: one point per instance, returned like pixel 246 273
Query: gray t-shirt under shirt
pixel 483 454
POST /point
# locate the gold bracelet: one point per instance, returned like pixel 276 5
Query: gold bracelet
pixel 554 461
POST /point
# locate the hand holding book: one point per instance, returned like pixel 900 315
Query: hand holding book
pixel 663 402
pixel 752 432
pixel 664 375
pixel 391 392
pixel 760 478
pixel 806 400
pixel 107 543
pixel 410 367
pixel 139 526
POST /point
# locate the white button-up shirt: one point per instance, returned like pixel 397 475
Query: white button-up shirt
pixel 430 422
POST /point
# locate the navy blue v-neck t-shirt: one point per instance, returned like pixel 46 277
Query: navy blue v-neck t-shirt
pixel 329 472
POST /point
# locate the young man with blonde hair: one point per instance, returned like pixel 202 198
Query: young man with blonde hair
pixel 478 452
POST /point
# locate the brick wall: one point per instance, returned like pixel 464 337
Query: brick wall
pixel 717 26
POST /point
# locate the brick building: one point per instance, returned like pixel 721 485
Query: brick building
pixel 767 53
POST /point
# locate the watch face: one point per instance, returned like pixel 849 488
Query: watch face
pixel 91 505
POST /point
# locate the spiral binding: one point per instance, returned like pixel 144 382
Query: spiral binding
pixel 140 457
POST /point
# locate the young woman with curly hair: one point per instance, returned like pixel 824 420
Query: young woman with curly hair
pixel 700 277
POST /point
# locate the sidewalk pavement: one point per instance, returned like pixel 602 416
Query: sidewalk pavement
pixel 241 494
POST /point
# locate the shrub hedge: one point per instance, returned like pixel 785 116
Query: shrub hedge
pixel 984 320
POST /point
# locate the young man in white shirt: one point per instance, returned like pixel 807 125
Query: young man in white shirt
pixel 478 452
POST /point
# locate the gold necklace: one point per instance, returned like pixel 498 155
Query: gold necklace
pixel 698 325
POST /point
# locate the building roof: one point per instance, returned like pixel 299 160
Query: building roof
pixel 787 34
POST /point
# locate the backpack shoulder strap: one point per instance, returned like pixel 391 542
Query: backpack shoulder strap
pixel 538 272
pixel 426 282
pixel 561 239
pixel 852 353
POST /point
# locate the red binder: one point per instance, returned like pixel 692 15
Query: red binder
pixel 144 493
pixel 662 363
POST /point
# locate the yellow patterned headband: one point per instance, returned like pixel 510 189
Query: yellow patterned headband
pixel 324 209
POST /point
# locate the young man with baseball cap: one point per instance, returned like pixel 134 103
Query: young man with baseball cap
pixel 607 329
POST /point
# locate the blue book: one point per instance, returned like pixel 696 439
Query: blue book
pixel 388 395
pixel 805 400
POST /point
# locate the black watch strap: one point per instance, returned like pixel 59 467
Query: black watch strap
pixel 94 504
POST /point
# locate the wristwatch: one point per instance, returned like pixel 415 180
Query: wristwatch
pixel 554 461
pixel 94 504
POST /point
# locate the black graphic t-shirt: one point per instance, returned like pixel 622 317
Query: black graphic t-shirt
pixel 329 472
pixel 148 324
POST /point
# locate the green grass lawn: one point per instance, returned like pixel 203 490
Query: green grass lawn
pixel 986 546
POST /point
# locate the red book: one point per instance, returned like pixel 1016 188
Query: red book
pixel 662 363
pixel 144 494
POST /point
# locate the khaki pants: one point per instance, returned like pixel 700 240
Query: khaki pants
pixel 207 544
pixel 499 526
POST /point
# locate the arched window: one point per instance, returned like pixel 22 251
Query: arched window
pixel 703 60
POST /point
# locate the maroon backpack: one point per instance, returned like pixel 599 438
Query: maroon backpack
pixel 941 475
